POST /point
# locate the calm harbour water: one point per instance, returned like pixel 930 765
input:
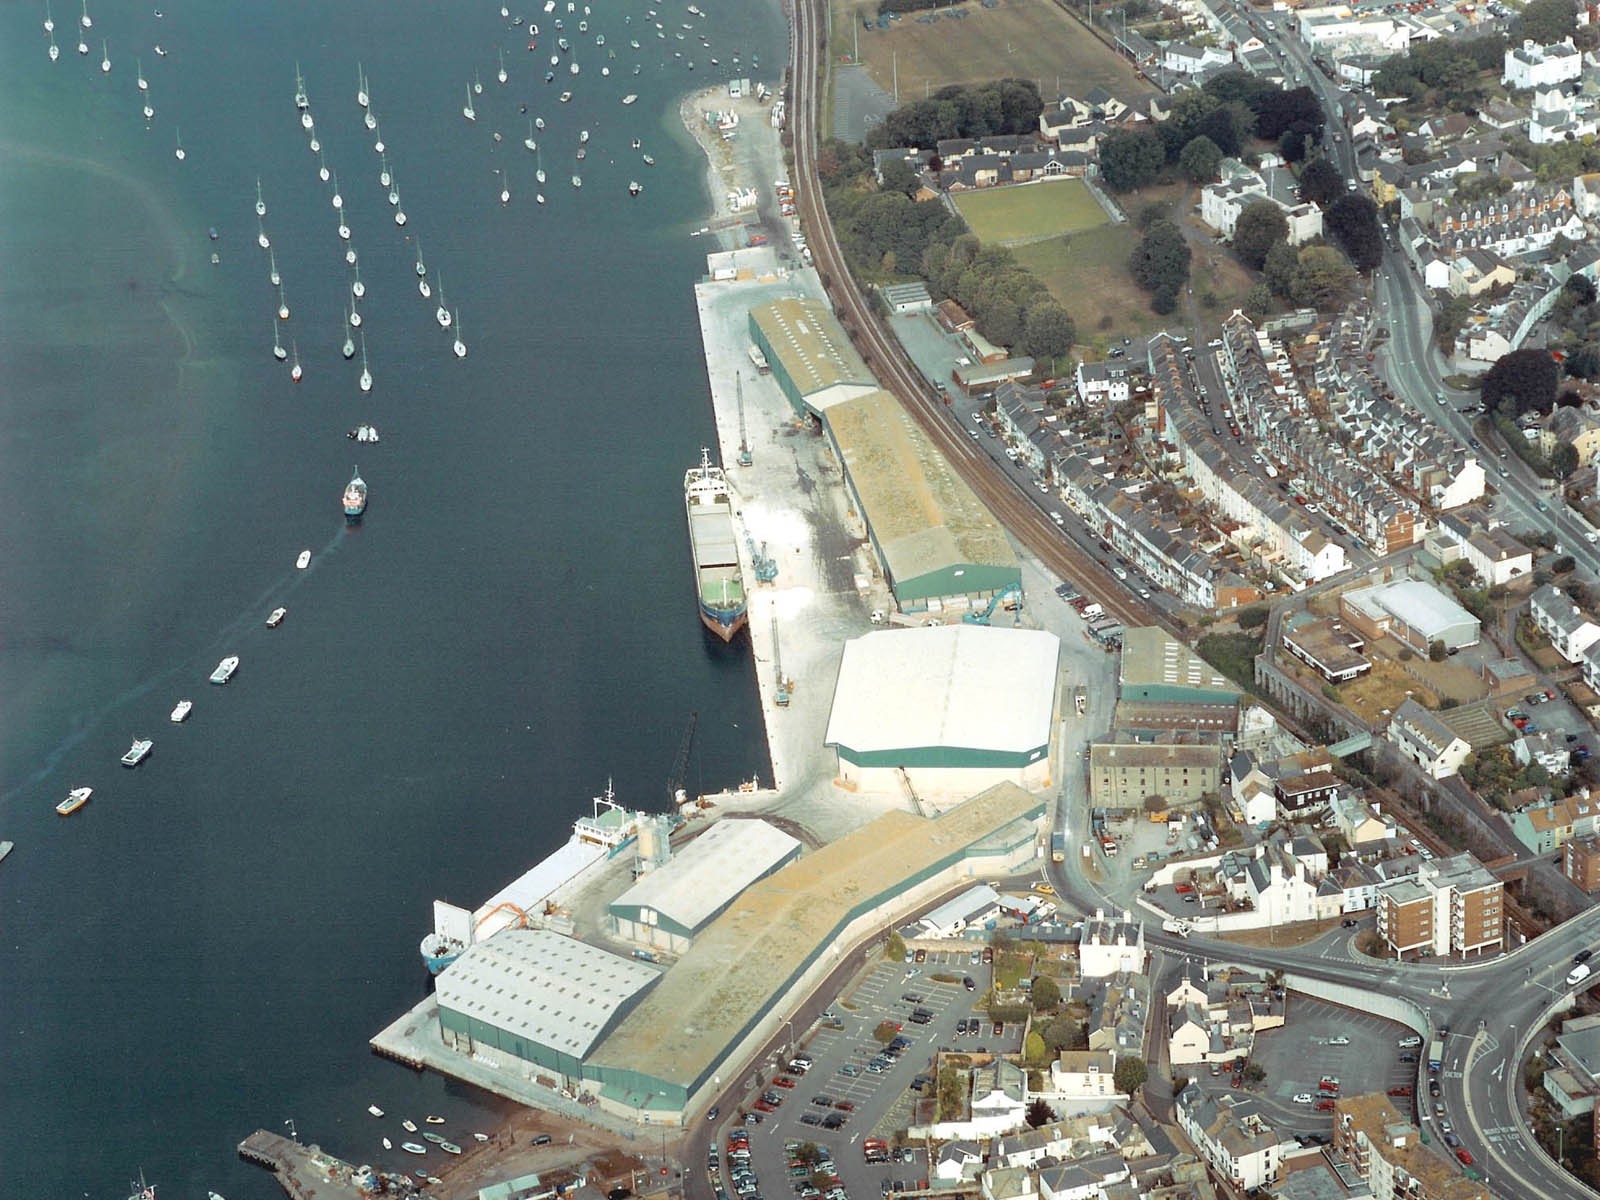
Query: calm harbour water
pixel 206 948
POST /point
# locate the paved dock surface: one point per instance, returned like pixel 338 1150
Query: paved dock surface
pixel 308 1173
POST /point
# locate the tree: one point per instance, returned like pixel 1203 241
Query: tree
pixel 1039 1114
pixel 1131 158
pixel 1200 159
pixel 1257 301
pixel 1034 1051
pixel 1252 616
pixel 1436 650
pixel 1260 226
pixel 1351 222
pixel 1130 1074
pixel 1277 110
pixel 1564 460
pixel 1281 269
pixel 895 951
pixel 1323 278
pixel 897 175
pixel 1046 995
pixel 1322 182
pixel 1548 21
pixel 1160 262
pixel 1292 145
pixel 1065 1033
pixel 1048 332
pixel 1519 382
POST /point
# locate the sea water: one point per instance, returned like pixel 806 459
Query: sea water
pixel 207 946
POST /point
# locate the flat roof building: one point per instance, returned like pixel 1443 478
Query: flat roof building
pixel 1158 667
pixel 940 548
pixel 1415 613
pixel 810 356
pixel 537 995
pixel 671 904
pixel 1387 1153
pixel 955 708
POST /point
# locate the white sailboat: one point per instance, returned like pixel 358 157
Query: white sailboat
pixel 300 100
pixel 314 145
pixel 149 109
pixel 361 86
pixel 83 46
pixel 105 58
pixel 377 143
pixel 49 21
pixel 283 305
pixel 55 50
pixel 138 67
pixel 322 167
pixel 261 205
pixel 350 255
pixel 370 121
pixel 502 76
pixel 477 85
pixel 349 347
pixel 180 154
pixel 505 189
pixel 278 352
pixel 338 200
pixel 87 24
pixel 442 314
pixel 261 237
pixel 272 262
pixel 357 288
pixel 394 191
pixel 305 120
pixel 366 375
pixel 467 111
pixel 460 346
pixel 344 230
pixel 294 372
pixel 355 317
pixel 394 199
pixel 528 141
pixel 383 174
pixel 539 170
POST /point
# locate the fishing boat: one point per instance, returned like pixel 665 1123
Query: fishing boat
pixel 283 305
pixel 408 1125
pixel 295 371
pixel 138 752
pixel 272 271
pixel 278 352
pixel 502 75
pixel 467 110
pixel 349 347
pixel 460 346
pixel 75 800
pixel 180 154
pixel 361 89
pixel 442 314
pixel 366 374
pixel 355 497
pixel 181 711
pixel 413 1148
pixel 274 619
pixel 261 236
pixel 304 561
pixel 719 582
pixel 227 666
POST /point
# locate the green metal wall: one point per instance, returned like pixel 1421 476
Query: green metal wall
pixel 941 756
pixel 780 371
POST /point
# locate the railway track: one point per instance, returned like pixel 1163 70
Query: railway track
pixel 894 370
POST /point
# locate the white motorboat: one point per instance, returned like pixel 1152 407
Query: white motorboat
pixel 577 181
pixel 629 98
pixel 303 561
pixel 408 1125
pixel 481 1137
pixel 387 1144
pixel 583 137
pixel 431 1120
pixel 227 666
pixel 413 1148
pixel 181 711
pixel 274 619
pixel 467 111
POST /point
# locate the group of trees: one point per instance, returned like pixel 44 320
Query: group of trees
pixel 1205 126
pixel 1446 73
pixel 885 234
pixel 1313 274
pixel 1519 382
pixel 962 111
pixel 1160 264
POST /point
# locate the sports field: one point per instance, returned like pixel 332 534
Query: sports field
pixel 1005 215
pixel 968 43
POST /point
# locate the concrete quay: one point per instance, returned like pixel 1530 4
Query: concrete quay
pixel 310 1173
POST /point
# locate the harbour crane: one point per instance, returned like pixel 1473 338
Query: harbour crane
pixel 744 440
pixel 781 685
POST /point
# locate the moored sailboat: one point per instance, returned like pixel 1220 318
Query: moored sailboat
pixel 467 111
pixel 366 373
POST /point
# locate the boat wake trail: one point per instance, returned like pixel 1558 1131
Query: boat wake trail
pixel 228 635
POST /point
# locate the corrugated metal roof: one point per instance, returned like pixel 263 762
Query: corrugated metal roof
pixel 706 875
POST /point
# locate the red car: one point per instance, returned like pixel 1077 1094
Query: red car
pixel 783 1081
pixel 1465 1156
pixel 1324 1106
pixel 1400 1091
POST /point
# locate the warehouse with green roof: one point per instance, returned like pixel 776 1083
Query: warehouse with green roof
pixel 809 354
pixel 940 548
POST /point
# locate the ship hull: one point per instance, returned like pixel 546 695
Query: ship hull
pixel 719 581
pixel 725 625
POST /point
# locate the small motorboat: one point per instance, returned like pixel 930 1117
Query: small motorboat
pixel 387 1144
pixel 434 1120
pixel 413 1148
pixel 436 1138
pixel 304 560
pixel 450 1147
pixel 482 1137
pixel 274 619
pixel 75 800
pixel 181 711
pixel 634 187
pixel 408 1125
pixel 371 1108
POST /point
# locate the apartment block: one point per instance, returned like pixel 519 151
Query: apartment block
pixel 1451 907
pixel 1580 862
pixel 1386 1151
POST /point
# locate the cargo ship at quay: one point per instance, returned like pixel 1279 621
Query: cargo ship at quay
pixel 595 840
pixel 713 542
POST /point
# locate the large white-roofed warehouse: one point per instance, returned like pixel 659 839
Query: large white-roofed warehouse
pixel 670 905
pixel 940 548
pixel 953 708
pixel 543 997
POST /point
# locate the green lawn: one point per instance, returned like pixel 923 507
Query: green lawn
pixel 1088 274
pixel 1029 211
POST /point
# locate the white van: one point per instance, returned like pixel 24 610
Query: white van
pixel 1578 974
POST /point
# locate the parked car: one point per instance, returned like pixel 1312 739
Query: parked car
pixel 1465 1156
